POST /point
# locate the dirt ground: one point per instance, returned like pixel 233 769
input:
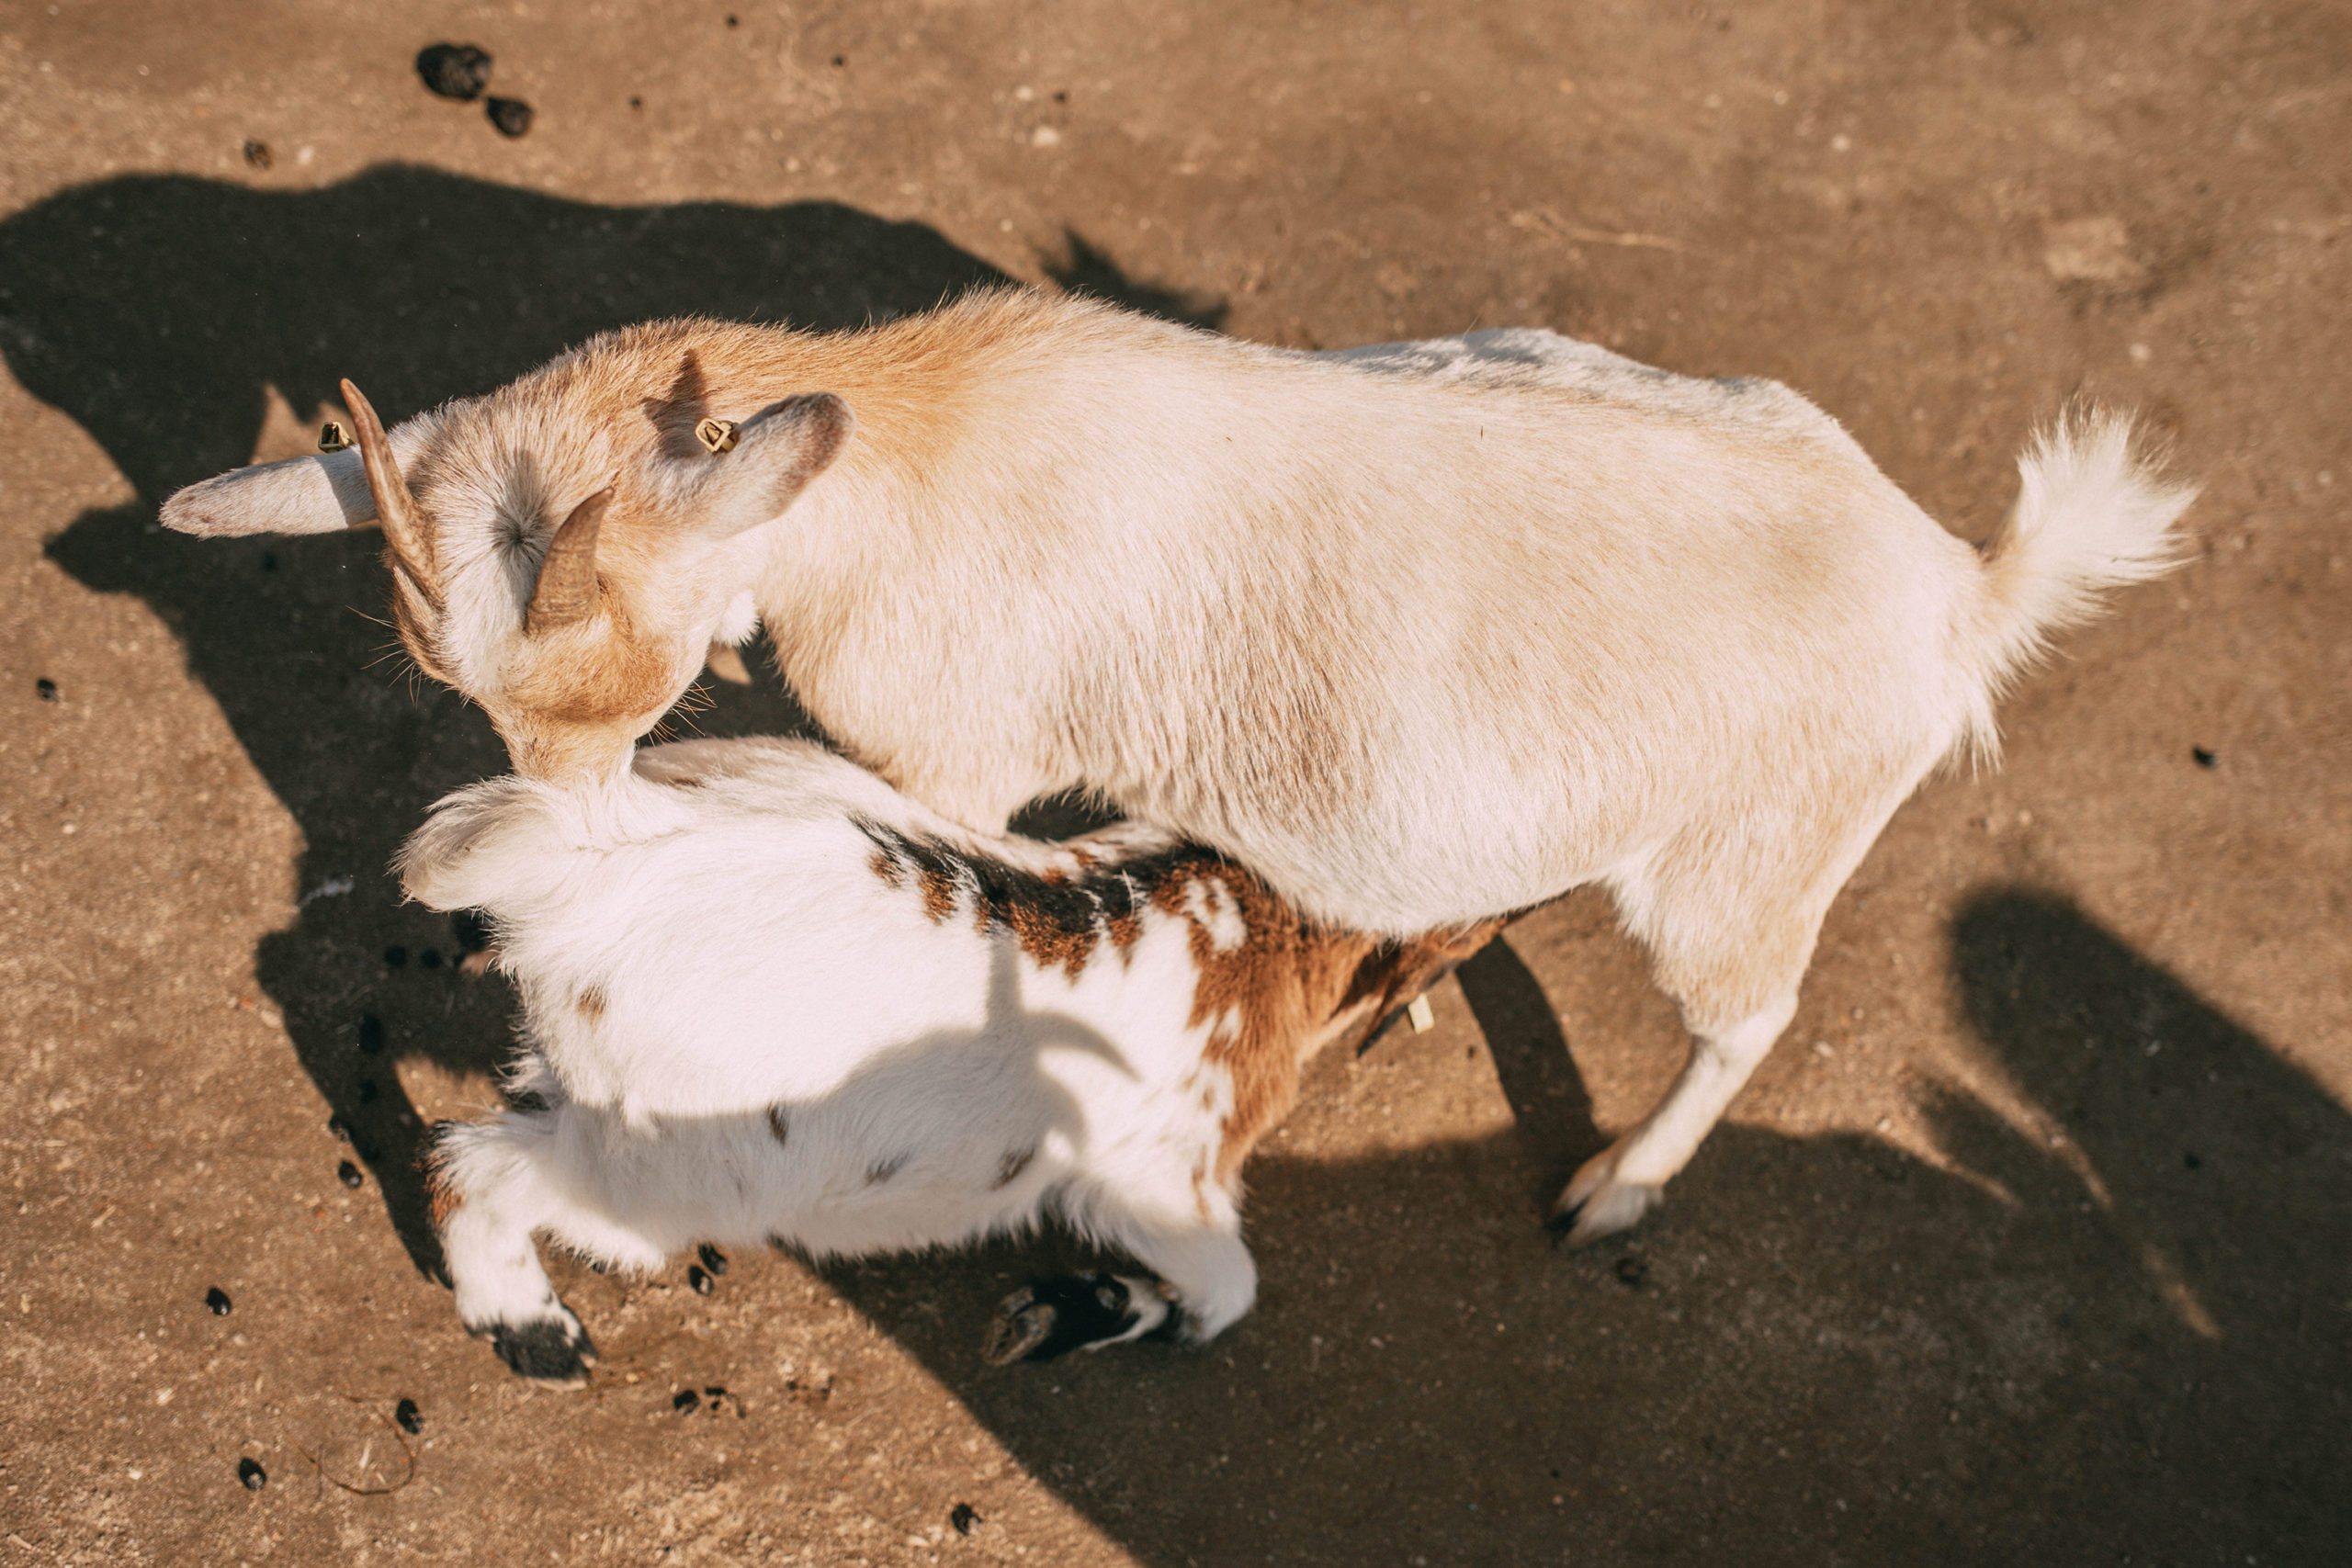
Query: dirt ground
pixel 2032 1243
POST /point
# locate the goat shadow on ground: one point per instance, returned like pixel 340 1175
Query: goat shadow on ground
pixel 2134 1347
pixel 160 312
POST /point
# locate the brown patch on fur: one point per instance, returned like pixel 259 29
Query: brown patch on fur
pixel 781 1126
pixel 1394 973
pixel 1009 1168
pixel 938 895
pixel 1058 920
pixel 441 1195
pixel 1282 993
pixel 1259 998
pixel 591 1003
pixel 1124 931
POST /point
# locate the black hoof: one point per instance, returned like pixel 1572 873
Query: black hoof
pixel 544 1350
pixel 1047 1319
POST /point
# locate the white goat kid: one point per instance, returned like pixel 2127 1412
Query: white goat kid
pixel 1420 633
pixel 767 997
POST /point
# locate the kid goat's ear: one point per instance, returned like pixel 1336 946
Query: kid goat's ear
pixel 300 495
pixel 777 451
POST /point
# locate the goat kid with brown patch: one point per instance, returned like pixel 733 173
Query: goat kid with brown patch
pixel 1420 633
pixel 766 998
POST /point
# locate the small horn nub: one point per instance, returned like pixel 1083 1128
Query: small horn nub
pixel 717 435
pixel 567 592
pixel 411 546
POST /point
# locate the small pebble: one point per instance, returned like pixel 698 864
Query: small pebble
pixel 340 1128
pixel 348 1174
pixel 2193 1162
pixel 511 115
pixel 218 1300
pixel 405 1417
pixel 257 154
pixel 2204 759
pixel 458 70
pixel 429 959
pixel 712 1258
pixel 699 1280
pixel 636 103
pixel 685 1399
pixel 47 688
pixel 716 1391
pixel 1631 1272
pixel 840 60
pixel 252 1475
pixel 395 956
pixel 371 1032
pixel 963 1515
pixel 730 21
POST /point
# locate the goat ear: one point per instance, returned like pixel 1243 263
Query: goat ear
pixel 300 495
pixel 777 451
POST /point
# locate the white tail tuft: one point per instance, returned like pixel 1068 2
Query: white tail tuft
pixel 2093 512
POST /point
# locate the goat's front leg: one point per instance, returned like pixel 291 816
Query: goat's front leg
pixel 489 1194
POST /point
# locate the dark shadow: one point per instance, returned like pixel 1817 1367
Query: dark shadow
pixel 1551 1110
pixel 1821 1351
pixel 157 312
pixel 1083 269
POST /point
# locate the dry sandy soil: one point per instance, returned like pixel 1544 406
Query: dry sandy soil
pixel 2029 1244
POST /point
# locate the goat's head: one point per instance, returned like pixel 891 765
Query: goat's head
pixel 558 555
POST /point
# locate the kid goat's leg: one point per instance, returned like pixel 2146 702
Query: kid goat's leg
pixel 1731 926
pixel 1205 1280
pixel 496 1183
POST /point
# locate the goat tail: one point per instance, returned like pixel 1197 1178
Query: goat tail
pixel 2094 512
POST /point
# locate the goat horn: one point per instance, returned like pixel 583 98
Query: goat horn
pixel 396 509
pixel 567 591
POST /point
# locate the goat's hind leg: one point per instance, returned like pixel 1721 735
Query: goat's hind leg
pixel 1731 926
pixel 1203 1281
pixel 1053 1314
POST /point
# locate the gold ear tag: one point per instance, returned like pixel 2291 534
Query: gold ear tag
pixel 331 437
pixel 718 435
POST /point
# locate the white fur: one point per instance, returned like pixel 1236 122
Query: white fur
pixel 754 971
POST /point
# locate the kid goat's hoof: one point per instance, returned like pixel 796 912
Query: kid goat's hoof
pixel 552 1350
pixel 1047 1319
